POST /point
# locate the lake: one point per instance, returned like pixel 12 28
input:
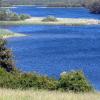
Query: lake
pixel 50 50
pixel 36 11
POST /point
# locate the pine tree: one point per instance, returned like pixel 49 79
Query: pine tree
pixel 6 61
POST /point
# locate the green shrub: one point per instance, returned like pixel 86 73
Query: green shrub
pixel 24 16
pixel 74 81
pixel 7 15
pixel 6 78
pixel 3 14
pixel 50 19
pixel 25 81
pixel 47 83
pixel 13 17
pixel 30 80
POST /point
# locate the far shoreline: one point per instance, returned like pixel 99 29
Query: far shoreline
pixel 47 6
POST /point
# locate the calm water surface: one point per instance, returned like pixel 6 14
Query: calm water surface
pixel 57 12
pixel 50 50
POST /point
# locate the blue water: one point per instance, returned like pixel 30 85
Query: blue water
pixel 50 50
pixel 57 12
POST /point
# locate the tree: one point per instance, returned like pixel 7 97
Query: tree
pixel 95 7
pixel 6 61
pixel 3 14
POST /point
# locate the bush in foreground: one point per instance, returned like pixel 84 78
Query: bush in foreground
pixel 73 81
pixel 19 80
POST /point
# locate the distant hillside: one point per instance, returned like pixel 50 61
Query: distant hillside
pixel 67 2
pixel 49 2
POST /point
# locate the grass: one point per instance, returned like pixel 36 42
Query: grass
pixel 61 21
pixel 8 94
pixel 4 33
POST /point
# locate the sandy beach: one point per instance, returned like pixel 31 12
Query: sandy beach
pixel 66 21
pixel 61 21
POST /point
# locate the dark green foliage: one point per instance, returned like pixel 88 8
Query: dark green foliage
pixel 95 7
pixel 25 81
pixel 24 16
pixel 13 17
pixel 7 15
pixel 50 19
pixel 6 61
pixel 74 81
pixel 2 14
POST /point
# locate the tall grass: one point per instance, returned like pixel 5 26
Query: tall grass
pixel 7 94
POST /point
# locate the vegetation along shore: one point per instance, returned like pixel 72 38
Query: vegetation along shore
pixel 18 85
pixel 4 33
pixel 60 21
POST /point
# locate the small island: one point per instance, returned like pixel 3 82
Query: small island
pixel 60 21
pixel 8 17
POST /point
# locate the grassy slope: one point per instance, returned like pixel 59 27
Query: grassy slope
pixel 45 95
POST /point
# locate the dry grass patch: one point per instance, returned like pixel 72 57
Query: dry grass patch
pixel 45 95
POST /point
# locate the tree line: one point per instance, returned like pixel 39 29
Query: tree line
pixel 65 2
pixel 95 7
pixel 48 2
